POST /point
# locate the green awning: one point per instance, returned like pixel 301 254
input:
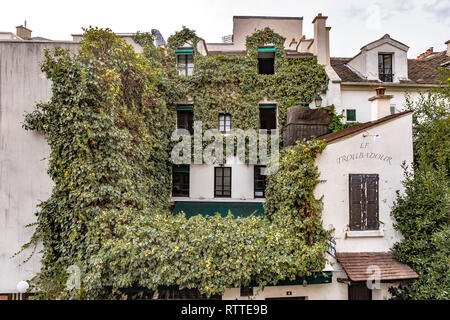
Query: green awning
pixel 315 278
pixel 181 168
pixel 266 49
pixel 238 209
pixel 267 106
pixel 185 108
pixel 184 51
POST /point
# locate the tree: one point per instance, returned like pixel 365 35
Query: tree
pixel 422 211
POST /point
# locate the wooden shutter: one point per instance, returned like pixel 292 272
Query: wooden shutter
pixel 363 201
pixel 372 202
pixel 356 199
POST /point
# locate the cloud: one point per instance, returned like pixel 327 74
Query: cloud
pixel 440 9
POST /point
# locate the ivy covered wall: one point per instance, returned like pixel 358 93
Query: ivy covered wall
pixel 108 125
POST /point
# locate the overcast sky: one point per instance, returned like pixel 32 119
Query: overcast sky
pixel 420 24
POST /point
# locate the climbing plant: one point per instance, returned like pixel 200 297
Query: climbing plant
pixel 108 125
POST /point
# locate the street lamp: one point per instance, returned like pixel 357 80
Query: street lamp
pixel 318 100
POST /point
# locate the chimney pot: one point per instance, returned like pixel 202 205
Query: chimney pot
pixel 319 14
pixel 380 91
pixel 303 37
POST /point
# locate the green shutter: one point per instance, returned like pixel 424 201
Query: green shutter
pixel 185 108
pixel 266 49
pixel 267 106
pixel 184 51
pixel 351 115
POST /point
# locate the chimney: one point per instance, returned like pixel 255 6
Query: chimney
pixel 380 104
pixel 426 53
pixel 23 32
pixel 320 44
pixel 448 47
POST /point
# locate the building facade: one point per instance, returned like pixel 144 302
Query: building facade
pixel 361 165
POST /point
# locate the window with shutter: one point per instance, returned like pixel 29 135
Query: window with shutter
pixel 363 202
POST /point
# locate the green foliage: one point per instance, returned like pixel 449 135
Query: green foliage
pixel 336 123
pixel 232 85
pixel 422 212
pixel 108 125
pixel 290 193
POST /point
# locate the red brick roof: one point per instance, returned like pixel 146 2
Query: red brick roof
pixel 361 127
pixel 356 265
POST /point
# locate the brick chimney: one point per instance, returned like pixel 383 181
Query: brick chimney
pixel 380 104
pixel 23 32
pixel 426 53
pixel 321 40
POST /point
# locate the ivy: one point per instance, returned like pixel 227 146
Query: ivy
pixel 108 125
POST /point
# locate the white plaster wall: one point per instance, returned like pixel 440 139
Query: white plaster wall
pixel 326 291
pixel 356 97
pixel 23 177
pixel 395 141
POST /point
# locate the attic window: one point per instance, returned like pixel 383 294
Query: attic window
pixel 266 60
pixel 385 67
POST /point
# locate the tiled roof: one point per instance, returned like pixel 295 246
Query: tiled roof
pixel 361 127
pixel 357 265
pixel 423 71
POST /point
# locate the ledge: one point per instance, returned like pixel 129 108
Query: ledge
pixel 364 234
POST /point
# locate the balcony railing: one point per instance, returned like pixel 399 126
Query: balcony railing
pixel 386 75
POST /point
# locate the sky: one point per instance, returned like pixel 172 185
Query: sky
pixel 420 24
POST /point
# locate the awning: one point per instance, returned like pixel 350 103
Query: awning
pixel 267 106
pixel 266 49
pixel 185 108
pixel 359 266
pixel 238 209
pixel 184 51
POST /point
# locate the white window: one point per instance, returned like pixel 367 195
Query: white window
pixel 185 64
pixel 225 123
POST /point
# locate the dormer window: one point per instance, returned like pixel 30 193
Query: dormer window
pixel 266 60
pixel 185 61
pixel 385 67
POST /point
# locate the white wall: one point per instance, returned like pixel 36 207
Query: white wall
pixel 201 180
pixel 23 177
pixel 395 141
pixel 356 97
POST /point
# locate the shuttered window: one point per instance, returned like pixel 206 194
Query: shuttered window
pixel 363 202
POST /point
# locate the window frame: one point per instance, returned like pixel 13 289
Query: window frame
pixel 224 115
pixel 382 74
pixel 347 114
pixel 272 108
pixel 364 202
pixel 222 182
pixel 185 70
pixel 255 168
pixel 189 124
